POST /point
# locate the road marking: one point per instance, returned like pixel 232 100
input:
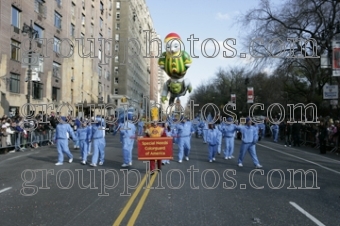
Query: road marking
pixel 324 167
pixel 129 203
pixel 5 189
pixel 141 202
pixel 304 212
pixel 19 156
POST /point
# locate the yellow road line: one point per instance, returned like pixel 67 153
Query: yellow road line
pixel 141 201
pixel 128 205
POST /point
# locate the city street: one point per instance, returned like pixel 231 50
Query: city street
pixel 33 191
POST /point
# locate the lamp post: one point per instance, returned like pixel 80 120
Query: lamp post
pixel 29 30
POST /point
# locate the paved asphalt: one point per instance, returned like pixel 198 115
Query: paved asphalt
pixel 194 192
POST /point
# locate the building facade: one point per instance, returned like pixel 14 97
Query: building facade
pixel 69 61
pixel 131 67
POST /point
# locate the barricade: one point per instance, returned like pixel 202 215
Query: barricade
pixel 20 140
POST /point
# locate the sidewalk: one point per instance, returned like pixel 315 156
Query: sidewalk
pixel 308 148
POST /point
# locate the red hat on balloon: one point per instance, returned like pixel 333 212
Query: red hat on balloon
pixel 171 36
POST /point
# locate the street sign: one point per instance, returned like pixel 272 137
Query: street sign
pixel 330 92
pixel 233 98
pixel 336 58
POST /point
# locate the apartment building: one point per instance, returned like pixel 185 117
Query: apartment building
pixel 131 67
pixel 68 62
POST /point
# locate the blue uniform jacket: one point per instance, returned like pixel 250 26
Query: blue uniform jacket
pixel 228 130
pixel 249 134
pixel 184 129
pixel 212 137
pixel 62 130
pixel 84 133
pixel 97 131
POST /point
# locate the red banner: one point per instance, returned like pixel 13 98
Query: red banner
pixel 250 95
pixel 336 60
pixel 154 148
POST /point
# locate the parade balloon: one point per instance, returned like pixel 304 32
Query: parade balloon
pixel 175 62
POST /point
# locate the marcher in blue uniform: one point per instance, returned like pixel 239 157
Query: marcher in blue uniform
pixel 89 147
pixel 128 133
pixel 77 125
pixel 169 133
pixel 213 141
pixel 61 138
pixel 184 132
pixel 205 128
pixel 218 128
pixel 262 128
pixel 275 131
pixel 140 125
pixel 249 139
pixel 228 130
pixel 98 141
pixel 84 137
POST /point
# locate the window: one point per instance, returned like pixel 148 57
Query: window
pixel 83 3
pixel 118 5
pixel 92 29
pixel 37 90
pixel 109 31
pixel 38 6
pixel 100 88
pixel 116 70
pixel 73 9
pixel 99 71
pixel 72 30
pixel 116 91
pixel 14 84
pixel 107 75
pixel 83 19
pixel 59 2
pixel 82 36
pixel 101 8
pixel 40 31
pixel 92 11
pixel 56 70
pixel 100 55
pixel 71 95
pixel 117 15
pixel 56 45
pixel 116 59
pixel 55 94
pixel 117 26
pixel 117 37
pixel 15 17
pixel 116 47
pixel 15 50
pixel 116 80
pixel 57 20
pixel 100 23
pixel 91 47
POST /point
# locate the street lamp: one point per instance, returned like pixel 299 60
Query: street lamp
pixel 29 30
